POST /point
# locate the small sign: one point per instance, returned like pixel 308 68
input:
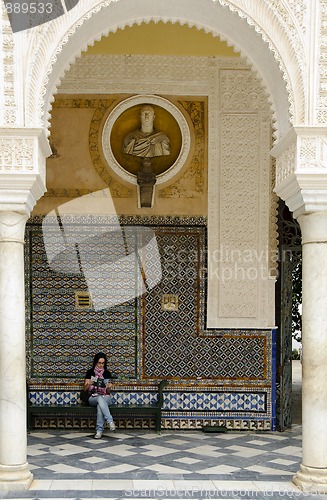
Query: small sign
pixel 169 302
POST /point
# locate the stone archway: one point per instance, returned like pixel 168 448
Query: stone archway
pixel 255 33
pixel 252 30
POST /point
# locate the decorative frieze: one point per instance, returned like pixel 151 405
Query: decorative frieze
pixel 301 159
pixel 286 162
pixel 22 167
pixel 322 67
pixel 18 155
pixel 241 90
pixel 8 104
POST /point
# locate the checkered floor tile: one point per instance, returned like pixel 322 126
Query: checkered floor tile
pixel 174 464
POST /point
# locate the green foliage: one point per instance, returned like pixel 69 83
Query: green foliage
pixel 295 354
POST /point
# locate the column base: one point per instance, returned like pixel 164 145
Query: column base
pixel 15 477
pixel 311 479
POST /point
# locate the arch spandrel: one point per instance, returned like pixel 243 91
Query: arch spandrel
pixel 254 30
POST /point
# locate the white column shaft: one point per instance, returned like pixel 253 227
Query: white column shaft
pixel 313 474
pixel 13 434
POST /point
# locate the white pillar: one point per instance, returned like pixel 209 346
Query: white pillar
pixel 312 476
pixel 14 472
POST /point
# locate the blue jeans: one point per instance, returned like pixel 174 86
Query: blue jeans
pixel 103 413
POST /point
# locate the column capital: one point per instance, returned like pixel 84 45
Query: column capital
pixel 301 169
pixel 12 226
pixel 23 153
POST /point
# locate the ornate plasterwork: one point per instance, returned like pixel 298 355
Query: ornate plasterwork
pixel 165 75
pixel 98 17
pixel 286 162
pixel 301 160
pixel 304 150
pixel 313 152
pixel 18 155
pixel 322 68
pixel 8 104
pixel 277 28
pixel 22 167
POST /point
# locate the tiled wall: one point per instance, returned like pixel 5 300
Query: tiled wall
pixel 214 376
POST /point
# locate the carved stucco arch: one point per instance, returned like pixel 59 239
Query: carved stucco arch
pixel 253 28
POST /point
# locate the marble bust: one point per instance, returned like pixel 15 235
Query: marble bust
pixel 146 142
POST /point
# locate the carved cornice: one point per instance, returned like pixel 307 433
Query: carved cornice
pixel 22 168
pixel 301 178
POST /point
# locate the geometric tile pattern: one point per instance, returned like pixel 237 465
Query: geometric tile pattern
pixel 175 342
pixel 143 464
pixel 225 372
pixel 223 401
pixel 61 339
pixel 145 454
pixel 117 397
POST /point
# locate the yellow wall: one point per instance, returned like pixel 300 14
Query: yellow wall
pixel 78 167
pixel 162 39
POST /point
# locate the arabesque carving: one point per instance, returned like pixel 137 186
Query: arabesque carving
pixel 276 27
pixel 322 68
pixel 8 102
pixel 313 152
pixel 286 163
pixel 17 155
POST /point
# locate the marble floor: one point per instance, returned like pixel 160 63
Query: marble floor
pixel 174 464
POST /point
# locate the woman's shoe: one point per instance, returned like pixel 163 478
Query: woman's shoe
pixel 98 435
pixel 111 426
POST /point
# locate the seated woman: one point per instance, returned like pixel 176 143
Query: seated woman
pixel 97 385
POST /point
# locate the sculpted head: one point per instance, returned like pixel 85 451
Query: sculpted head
pixel 147 117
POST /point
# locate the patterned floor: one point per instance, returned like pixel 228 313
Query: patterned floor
pixel 175 464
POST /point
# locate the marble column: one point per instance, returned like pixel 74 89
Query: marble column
pixel 14 471
pixel 312 476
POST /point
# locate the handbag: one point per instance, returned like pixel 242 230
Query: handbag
pixel 84 396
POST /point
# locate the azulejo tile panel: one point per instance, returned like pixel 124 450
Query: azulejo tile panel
pixel 218 401
pixel 226 372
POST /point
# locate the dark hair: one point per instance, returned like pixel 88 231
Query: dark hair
pixel 98 356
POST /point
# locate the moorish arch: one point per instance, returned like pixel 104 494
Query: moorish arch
pixel 272 42
pixel 253 29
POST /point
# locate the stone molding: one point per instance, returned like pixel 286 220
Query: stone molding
pixel 22 168
pixel 311 479
pixel 321 67
pixel 301 169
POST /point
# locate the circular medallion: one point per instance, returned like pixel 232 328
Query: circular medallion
pixel 146 129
